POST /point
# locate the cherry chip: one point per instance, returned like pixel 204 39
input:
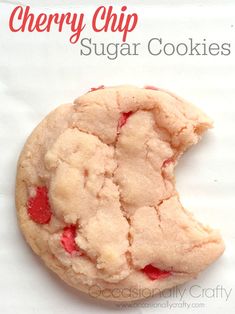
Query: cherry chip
pixel 38 206
pixel 155 273
pixel 96 88
pixel 68 239
pixel 151 87
pixel 123 118
pixel 167 162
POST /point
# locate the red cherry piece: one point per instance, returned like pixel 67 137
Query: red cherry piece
pixel 96 88
pixel 123 118
pixel 155 273
pixel 167 162
pixel 151 87
pixel 38 206
pixel 68 239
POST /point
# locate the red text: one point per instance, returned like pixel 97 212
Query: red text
pixel 104 19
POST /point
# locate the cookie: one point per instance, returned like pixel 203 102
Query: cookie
pixel 96 196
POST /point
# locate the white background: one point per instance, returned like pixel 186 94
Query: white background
pixel 40 71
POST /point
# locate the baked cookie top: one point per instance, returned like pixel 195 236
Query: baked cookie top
pixel 96 197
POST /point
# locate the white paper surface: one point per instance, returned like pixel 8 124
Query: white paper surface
pixel 40 71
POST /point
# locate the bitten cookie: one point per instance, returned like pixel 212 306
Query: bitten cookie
pixel 96 197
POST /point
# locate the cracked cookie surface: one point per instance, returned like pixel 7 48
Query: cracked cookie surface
pixel 96 198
